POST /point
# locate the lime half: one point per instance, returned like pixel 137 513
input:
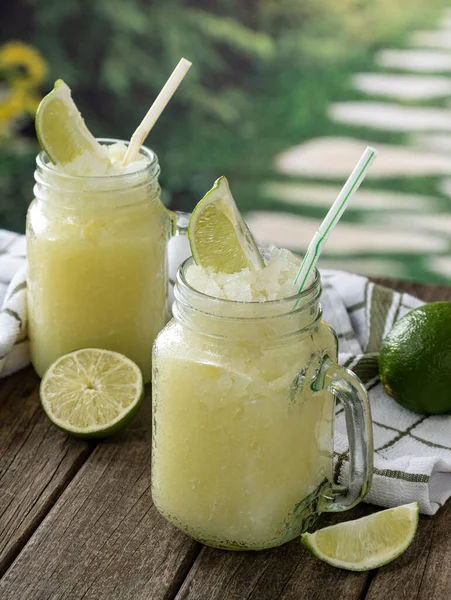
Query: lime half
pixel 63 134
pixel 218 236
pixel 92 393
pixel 365 543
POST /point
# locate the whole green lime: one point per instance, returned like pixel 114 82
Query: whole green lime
pixel 415 359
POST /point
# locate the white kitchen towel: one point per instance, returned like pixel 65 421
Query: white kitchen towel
pixel 412 452
pixel 412 457
pixel 14 354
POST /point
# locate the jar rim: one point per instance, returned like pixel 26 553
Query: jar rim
pixel 295 298
pixel 43 161
pixel 219 317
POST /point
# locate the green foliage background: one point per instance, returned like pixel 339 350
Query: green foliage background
pixel 263 74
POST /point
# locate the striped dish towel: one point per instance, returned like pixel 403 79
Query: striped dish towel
pixel 412 459
pixel 14 353
pixel 412 453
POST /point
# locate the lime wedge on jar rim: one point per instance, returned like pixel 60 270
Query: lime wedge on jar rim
pixel 218 235
pixel 63 135
pixel 365 543
pixel 92 393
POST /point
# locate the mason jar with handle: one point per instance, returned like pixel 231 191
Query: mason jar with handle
pixel 243 419
pixel 97 262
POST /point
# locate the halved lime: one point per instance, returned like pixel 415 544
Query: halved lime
pixel 365 543
pixel 218 236
pixel 92 393
pixel 62 132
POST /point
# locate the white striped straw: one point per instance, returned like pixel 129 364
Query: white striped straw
pixel 333 216
pixel 155 110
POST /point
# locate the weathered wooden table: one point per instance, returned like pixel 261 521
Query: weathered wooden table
pixel 77 521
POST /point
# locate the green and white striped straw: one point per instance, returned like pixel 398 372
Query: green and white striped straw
pixel 333 216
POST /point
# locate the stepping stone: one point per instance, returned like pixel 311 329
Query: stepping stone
pixel 445 22
pixel 294 232
pixel 336 157
pixel 445 186
pixel 364 266
pixel 442 266
pixel 365 199
pixel 431 39
pixel 440 223
pixel 415 60
pixel 440 142
pixel 391 117
pixel 403 87
pixel 436 223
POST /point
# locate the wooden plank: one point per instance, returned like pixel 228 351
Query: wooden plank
pixel 423 572
pixel 436 581
pixel 289 572
pixel 286 573
pixel 104 539
pixel 36 463
pixel 424 291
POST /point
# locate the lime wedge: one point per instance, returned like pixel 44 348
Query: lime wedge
pixel 92 393
pixel 218 236
pixel 62 132
pixel 365 543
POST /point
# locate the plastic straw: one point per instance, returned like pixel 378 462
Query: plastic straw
pixel 333 216
pixel 155 110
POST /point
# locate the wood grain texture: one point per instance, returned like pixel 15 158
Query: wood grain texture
pixel 290 572
pixel 424 291
pixel 104 538
pixel 423 572
pixel 36 462
pixel 286 573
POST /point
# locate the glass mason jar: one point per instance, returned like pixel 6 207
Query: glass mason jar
pixel 97 263
pixel 243 413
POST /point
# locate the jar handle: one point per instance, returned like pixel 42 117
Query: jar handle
pixel 180 222
pixel 348 388
pixel 178 246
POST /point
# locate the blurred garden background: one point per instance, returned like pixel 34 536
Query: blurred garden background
pixel 283 97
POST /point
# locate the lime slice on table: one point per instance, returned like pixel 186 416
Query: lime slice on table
pixel 218 236
pixel 368 542
pixel 63 134
pixel 92 393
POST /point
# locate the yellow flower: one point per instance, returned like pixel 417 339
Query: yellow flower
pixel 22 69
pixel 11 106
pixel 22 65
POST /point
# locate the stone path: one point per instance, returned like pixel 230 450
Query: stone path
pixel 439 142
pixel 432 39
pixel 429 61
pixel 334 158
pixel 441 265
pixel 445 186
pixel 385 231
pixel 284 229
pixel 301 194
pixel 445 21
pixel 403 87
pixel 439 223
pixel 392 117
